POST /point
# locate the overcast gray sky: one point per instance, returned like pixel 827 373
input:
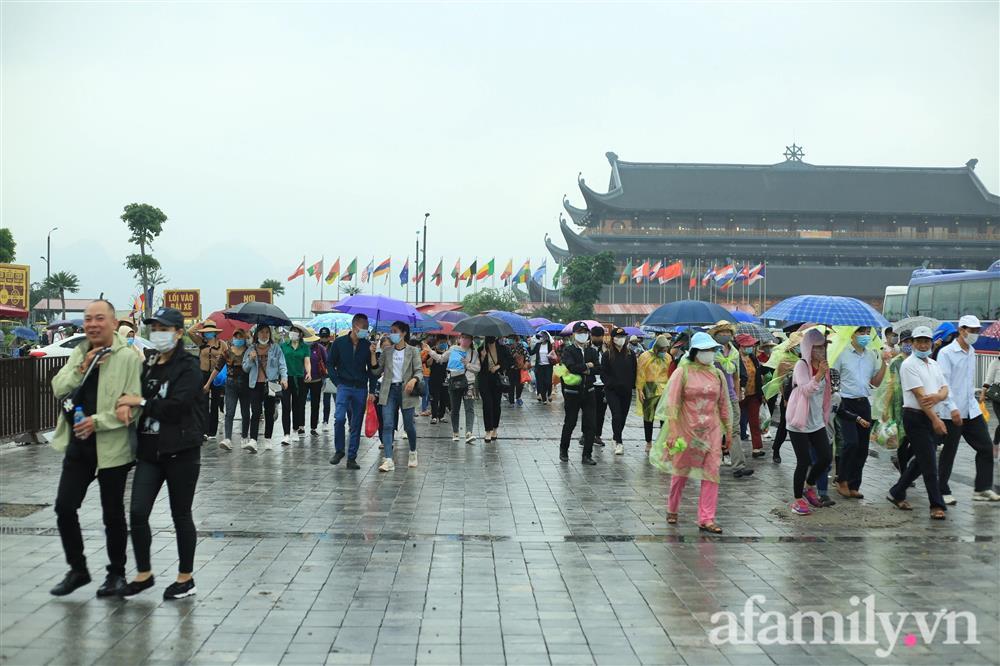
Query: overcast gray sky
pixel 269 131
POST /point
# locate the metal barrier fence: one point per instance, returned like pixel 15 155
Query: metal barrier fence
pixel 27 404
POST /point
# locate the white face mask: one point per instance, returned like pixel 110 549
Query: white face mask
pixel 970 338
pixel 294 336
pixel 162 341
pixel 581 338
pixel 619 342
pixel 706 357
pixel 263 339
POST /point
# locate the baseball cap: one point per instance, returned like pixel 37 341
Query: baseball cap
pixel 969 321
pixel 324 332
pixel 923 332
pixel 167 317
pixel 597 330
pixel 905 334
pixel 580 327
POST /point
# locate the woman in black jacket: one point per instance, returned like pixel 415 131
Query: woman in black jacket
pixel 170 428
pixel 495 361
pixel 543 367
pixel 618 374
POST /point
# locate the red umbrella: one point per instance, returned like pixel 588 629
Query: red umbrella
pixel 228 326
pixel 447 328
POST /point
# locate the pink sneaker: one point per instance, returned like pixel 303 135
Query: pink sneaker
pixel 801 507
pixel 812 497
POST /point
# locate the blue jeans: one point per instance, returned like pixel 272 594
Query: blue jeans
pixel 389 410
pixel 350 404
pixel 425 400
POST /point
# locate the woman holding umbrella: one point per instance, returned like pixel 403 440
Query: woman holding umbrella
pixel 400 369
pixel 267 375
pixel 496 361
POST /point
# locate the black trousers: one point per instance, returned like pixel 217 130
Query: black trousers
pixel 215 401
pixel 314 392
pixel 491 393
pixel 855 453
pixel 781 433
pixel 261 401
pixel 543 381
pixel 293 405
pixel 619 399
pixel 439 398
pixel 79 469
pixel 647 429
pixel 181 474
pixel 978 437
pixel 807 471
pixel 577 403
pixel 515 388
pixel 922 460
pixel 600 410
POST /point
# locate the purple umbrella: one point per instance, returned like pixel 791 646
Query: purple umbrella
pixel 539 321
pixel 379 308
pixel 635 330
pixel 589 322
pixel 454 316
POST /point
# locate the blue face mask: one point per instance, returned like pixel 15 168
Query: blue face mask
pixel 921 354
pixel 863 340
pixel 130 341
pixel 394 338
pixel 239 342
pixel 907 349
pixel 443 346
pixel 210 336
pixel 362 334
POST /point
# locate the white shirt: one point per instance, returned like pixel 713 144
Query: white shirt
pixel 923 374
pixel 959 370
pixel 397 364
pixel 543 353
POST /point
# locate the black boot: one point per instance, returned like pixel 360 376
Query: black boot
pixel 73 580
pixel 353 464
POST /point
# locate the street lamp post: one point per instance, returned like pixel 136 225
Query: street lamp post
pixel 416 265
pixel 48 269
pixel 423 274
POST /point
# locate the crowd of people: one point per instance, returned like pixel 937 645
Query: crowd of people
pixel 711 392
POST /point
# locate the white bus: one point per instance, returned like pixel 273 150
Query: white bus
pixel 894 303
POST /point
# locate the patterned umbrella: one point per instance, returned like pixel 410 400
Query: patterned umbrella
pixel 829 310
pixel 335 321
pixel 993 330
pixel 518 324
pixel 910 323
pixel 759 333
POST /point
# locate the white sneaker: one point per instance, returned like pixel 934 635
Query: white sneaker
pixel 412 462
pixel 387 465
pixel 619 449
pixel 949 499
pixel 727 461
pixel 286 441
pixel 226 445
pixel 326 427
pixel 250 446
pixel 268 446
pixel 768 436
pixel 211 438
pixel 985 496
pixel 469 438
pixel 454 436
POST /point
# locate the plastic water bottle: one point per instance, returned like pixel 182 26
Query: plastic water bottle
pixel 78 415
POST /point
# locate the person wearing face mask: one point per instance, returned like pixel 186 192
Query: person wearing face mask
pixel 317 357
pixel 751 378
pixel 542 355
pixel 766 373
pixel 205 334
pixel 293 399
pixel 695 412
pixel 580 359
pixel 437 377
pixel 958 365
pixel 517 354
pixel 993 377
pixel 618 371
pixel 350 364
pixel 236 389
pixel 169 451
pixel 401 370
pixel 127 333
pixel 860 370
pixel 925 396
pixel 93 435
pixel 728 359
pixel 892 411
pixel 652 374
pixel 808 406
pixel 266 371
pixel 600 396
pixel 462 365
pixel 494 359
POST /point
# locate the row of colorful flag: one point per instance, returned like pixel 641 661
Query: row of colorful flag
pixel 663 272
pixel 473 272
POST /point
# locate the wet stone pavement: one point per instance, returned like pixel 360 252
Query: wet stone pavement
pixel 497 553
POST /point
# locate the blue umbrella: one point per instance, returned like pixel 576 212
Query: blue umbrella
pixel 518 324
pixel 424 324
pixel 744 317
pixel 554 327
pixel 539 321
pixel 24 333
pixel 687 312
pixel 335 321
pixel 829 310
pixel 454 316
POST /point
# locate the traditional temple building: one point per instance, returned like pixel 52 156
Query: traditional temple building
pixel 838 230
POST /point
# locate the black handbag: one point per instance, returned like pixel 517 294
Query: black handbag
pixel 458 383
pixel 993 393
pixel 503 378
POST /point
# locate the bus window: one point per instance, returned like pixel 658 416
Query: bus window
pixel 994 311
pixel 946 301
pixel 892 307
pixel 976 298
pixel 923 300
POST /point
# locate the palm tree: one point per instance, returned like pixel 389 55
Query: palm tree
pixel 276 287
pixel 352 290
pixel 60 283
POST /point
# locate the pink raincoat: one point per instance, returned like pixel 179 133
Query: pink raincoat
pixel 804 384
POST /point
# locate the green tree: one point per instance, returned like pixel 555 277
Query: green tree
pixel 145 223
pixel 552 312
pixel 276 286
pixel 7 246
pixel 37 292
pixel 583 279
pixel 60 283
pixel 491 299
pixel 352 290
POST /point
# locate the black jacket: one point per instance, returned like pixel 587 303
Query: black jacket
pixel 619 369
pixel 576 360
pixel 181 411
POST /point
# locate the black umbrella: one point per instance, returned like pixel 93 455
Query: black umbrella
pixel 258 314
pixel 690 313
pixel 483 326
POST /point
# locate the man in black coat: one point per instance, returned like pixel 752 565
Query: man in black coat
pixel 580 359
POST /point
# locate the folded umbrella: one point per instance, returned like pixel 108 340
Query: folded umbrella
pixel 258 314
pixel 688 313
pixel 483 326
pixel 829 310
